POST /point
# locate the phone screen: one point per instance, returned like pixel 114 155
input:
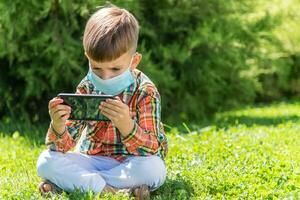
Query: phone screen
pixel 85 106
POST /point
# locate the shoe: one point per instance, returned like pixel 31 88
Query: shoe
pixel 46 187
pixel 142 192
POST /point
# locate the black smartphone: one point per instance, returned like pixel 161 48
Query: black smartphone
pixel 85 106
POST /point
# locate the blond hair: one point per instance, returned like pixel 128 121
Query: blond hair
pixel 109 33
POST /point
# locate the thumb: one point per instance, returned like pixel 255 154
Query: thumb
pixel 118 98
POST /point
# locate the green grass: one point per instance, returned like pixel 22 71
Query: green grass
pixel 251 153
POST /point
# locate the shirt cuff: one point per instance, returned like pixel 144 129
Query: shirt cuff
pixel 58 135
pixel 130 141
pixel 131 134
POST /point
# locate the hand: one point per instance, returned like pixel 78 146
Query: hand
pixel 59 113
pixel 118 113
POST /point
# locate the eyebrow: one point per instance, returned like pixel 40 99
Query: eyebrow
pixel 115 67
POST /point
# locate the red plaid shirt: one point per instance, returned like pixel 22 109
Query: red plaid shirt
pixel 102 138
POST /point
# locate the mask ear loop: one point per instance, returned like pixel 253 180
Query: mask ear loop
pixel 90 66
pixel 132 60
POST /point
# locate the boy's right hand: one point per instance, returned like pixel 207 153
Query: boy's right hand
pixel 59 113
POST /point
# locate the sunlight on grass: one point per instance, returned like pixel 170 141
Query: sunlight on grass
pixel 275 110
pixel 271 115
pixel 260 161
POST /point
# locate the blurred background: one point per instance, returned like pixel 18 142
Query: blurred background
pixel 205 56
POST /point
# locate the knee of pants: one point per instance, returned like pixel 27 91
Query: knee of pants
pixel 154 170
pixel 47 162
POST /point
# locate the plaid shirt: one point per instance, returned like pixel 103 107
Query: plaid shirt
pixel 102 138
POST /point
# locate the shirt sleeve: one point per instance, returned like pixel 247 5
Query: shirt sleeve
pixel 144 138
pixel 68 139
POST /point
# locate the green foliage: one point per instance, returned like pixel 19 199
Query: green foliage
pixel 204 56
pixel 250 153
pixel 41 52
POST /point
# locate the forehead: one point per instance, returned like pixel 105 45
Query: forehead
pixel 122 60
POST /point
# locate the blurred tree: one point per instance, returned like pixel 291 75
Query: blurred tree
pixel 204 56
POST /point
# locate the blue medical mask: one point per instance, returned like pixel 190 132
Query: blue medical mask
pixel 112 86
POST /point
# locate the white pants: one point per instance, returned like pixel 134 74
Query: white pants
pixel 75 170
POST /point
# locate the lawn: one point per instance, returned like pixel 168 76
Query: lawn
pixel 250 153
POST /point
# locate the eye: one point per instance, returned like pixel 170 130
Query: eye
pixel 97 68
pixel 115 69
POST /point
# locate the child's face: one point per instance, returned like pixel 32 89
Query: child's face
pixel 108 70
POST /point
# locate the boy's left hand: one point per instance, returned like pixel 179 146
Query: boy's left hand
pixel 118 113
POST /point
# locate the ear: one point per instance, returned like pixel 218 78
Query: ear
pixel 136 60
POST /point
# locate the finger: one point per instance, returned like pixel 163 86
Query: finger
pixel 57 112
pixel 55 101
pixel 117 97
pixel 60 107
pixel 109 110
pixel 65 117
pixel 115 102
pixel 105 105
pixel 62 113
pixel 108 115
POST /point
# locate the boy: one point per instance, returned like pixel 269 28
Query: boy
pixel 126 152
